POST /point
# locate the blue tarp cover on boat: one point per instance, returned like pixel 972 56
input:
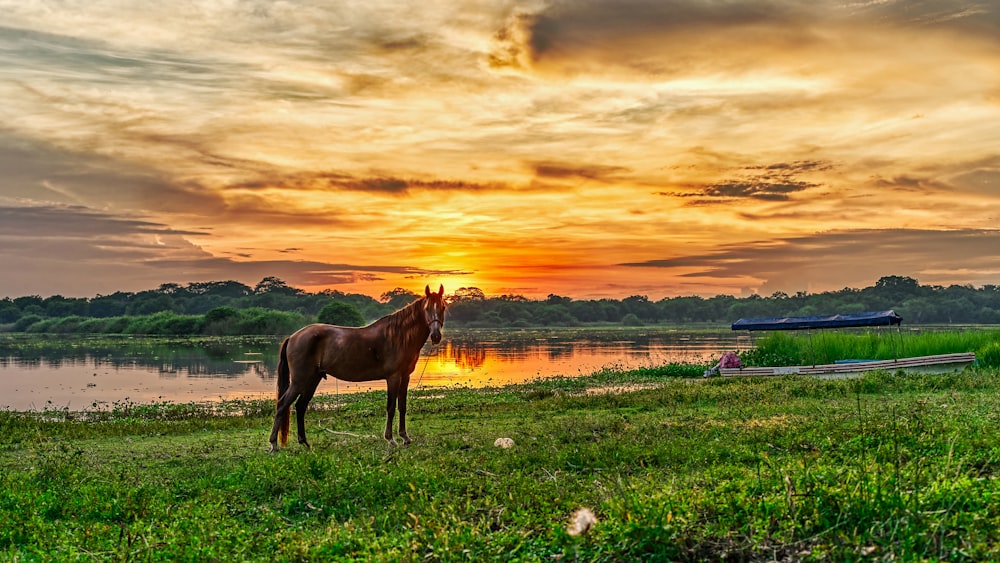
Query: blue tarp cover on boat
pixel 878 318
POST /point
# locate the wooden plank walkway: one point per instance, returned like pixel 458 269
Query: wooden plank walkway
pixel 939 363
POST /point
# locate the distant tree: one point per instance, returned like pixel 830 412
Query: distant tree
pixel 33 310
pixel 340 313
pixel 554 299
pixel 468 294
pixel 892 291
pixel 149 302
pixel 171 288
pixel 114 305
pixel 640 306
pixel 231 289
pixel 903 283
pixel 398 298
pixel 9 312
pixel 272 284
pixel 28 300
pixel 556 315
pixel 59 306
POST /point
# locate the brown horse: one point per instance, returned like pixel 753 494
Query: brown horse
pixel 386 349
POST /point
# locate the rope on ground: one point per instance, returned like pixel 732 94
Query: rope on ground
pixel 421 378
pixel 343 433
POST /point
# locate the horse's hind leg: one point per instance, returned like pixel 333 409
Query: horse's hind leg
pixel 281 414
pixel 300 415
pixel 390 408
pixel 403 388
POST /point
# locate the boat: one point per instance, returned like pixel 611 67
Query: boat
pixel 937 363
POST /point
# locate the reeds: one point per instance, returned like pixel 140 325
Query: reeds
pixel 827 347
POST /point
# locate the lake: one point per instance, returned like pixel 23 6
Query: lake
pixel 81 373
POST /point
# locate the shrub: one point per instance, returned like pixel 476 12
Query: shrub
pixel 221 321
pixel 165 323
pixel 632 319
pixel 116 325
pixel 268 321
pixel 340 313
pixel 989 355
pixel 66 325
pixel 182 325
pixel 775 349
pixel 26 322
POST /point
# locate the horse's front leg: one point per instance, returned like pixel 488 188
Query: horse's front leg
pixel 392 384
pixel 404 386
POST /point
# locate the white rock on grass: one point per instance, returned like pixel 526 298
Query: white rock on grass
pixel 581 522
pixel 505 443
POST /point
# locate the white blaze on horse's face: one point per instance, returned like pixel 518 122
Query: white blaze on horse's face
pixel 434 308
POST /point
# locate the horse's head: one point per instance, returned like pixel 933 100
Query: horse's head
pixel 434 308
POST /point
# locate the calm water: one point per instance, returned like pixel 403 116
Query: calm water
pixel 81 373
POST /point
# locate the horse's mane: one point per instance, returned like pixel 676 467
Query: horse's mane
pixel 399 325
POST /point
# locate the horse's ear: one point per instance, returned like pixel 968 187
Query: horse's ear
pixel 441 291
pixel 427 290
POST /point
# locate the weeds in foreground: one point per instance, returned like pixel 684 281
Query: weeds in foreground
pixel 883 467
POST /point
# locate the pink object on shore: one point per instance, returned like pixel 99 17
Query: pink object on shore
pixel 730 360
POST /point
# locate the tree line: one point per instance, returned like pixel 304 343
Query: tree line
pixel 916 303
pixel 274 307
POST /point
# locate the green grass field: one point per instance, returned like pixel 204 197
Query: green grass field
pixel 890 467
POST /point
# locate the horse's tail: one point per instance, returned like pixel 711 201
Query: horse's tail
pixel 283 383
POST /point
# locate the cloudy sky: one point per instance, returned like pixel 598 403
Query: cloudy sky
pixel 588 148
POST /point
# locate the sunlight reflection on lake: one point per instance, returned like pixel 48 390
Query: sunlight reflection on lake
pixel 82 373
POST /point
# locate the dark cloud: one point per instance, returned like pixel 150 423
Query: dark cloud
pixel 404 44
pixel 569 24
pixel 911 184
pixel 771 182
pixel 548 169
pixel 390 185
pixel 572 35
pixel 830 261
pixel 623 32
pixel 762 190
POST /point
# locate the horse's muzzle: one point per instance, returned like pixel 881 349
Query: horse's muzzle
pixel 436 336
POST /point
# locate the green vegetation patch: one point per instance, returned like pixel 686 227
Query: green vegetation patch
pixel 889 466
pixel 828 346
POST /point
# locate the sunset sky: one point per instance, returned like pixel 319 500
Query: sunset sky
pixel 601 148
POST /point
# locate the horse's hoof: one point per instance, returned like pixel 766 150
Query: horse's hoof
pixel 273 449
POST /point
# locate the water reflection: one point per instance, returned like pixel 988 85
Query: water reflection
pixel 78 373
